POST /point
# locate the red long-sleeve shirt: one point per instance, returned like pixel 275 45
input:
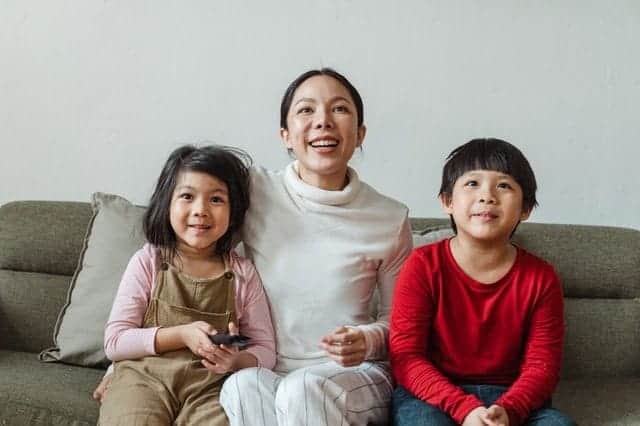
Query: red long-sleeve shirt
pixel 448 329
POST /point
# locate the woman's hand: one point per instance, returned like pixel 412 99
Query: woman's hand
pixel 345 345
pixel 101 390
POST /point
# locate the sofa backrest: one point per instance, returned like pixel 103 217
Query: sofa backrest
pixel 40 243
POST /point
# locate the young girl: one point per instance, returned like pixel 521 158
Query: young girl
pixel 182 287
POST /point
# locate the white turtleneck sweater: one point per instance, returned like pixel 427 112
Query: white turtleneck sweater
pixel 321 255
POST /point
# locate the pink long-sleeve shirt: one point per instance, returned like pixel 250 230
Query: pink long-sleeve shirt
pixel 125 338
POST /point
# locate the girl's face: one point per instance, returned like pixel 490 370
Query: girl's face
pixel 322 131
pixel 199 212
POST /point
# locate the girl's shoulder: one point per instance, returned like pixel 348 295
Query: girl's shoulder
pixel 240 265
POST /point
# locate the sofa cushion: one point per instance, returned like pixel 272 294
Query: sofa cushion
pixel 29 305
pixel 42 236
pixel 36 393
pixel 113 235
pixel 600 402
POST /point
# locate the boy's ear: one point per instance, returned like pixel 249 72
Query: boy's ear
pixel 525 215
pixel 445 202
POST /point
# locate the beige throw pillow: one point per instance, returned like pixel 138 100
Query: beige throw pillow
pixel 114 234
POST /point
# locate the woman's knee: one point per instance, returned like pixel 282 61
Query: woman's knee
pixel 241 384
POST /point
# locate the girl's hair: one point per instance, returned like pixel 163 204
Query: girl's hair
pixel 230 165
pixel 288 94
pixel 489 154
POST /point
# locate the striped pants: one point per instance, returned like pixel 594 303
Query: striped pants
pixel 324 394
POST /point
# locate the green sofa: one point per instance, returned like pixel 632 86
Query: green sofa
pixel 40 242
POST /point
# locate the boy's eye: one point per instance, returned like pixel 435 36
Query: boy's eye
pixel 217 200
pixel 471 183
pixel 504 185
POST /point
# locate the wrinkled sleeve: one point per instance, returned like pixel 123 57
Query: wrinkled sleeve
pixel 540 370
pixel 411 323
pixel 376 334
pixel 125 338
pixel 254 319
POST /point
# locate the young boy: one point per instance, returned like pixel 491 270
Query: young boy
pixel 477 323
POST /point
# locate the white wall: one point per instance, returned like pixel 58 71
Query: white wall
pixel 95 94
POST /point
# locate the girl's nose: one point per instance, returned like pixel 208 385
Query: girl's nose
pixel 199 208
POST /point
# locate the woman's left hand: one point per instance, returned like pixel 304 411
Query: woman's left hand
pixel 345 345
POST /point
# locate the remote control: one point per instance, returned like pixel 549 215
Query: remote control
pixel 227 339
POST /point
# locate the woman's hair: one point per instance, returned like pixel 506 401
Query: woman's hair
pixel 288 94
pixel 489 154
pixel 230 165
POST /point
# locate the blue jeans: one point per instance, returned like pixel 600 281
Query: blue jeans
pixel 408 410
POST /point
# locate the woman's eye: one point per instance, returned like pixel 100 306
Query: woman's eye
pixel 304 110
pixel 341 108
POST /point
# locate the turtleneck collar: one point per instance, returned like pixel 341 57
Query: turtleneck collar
pixel 321 196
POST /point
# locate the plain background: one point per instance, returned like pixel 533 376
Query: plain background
pixel 95 94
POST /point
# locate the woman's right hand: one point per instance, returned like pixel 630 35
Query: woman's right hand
pixel 101 390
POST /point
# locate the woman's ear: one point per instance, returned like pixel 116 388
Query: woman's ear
pixel 284 135
pixel 362 131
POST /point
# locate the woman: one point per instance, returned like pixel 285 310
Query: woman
pixel 323 242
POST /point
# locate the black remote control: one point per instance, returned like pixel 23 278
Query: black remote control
pixel 237 340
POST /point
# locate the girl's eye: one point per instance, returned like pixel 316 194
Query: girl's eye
pixel 186 196
pixel 217 200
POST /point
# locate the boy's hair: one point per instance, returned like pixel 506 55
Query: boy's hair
pixel 287 98
pixel 489 154
pixel 230 165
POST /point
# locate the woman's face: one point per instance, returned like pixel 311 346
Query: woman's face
pixel 323 131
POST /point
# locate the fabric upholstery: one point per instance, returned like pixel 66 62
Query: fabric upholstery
pixel 29 305
pixel 42 236
pixel 37 393
pixel 114 234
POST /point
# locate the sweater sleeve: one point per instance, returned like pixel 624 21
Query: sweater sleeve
pixel 411 323
pixel 376 334
pixel 124 336
pixel 540 370
pixel 254 317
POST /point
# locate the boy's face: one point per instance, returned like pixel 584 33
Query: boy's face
pixel 486 205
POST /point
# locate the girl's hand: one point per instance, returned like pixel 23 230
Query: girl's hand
pixel 101 390
pixel 195 336
pixel 345 345
pixel 224 359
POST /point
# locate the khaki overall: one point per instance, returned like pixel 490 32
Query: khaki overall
pixel 174 387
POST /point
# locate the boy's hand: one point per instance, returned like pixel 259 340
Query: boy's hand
pixel 475 417
pixel 496 416
pixel 345 345
pixel 195 336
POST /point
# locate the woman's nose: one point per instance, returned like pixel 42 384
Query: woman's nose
pixel 323 120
